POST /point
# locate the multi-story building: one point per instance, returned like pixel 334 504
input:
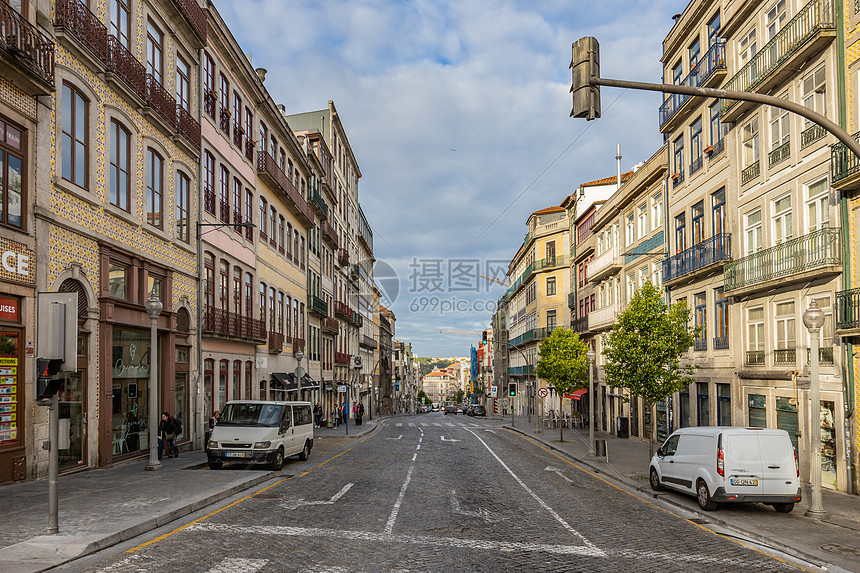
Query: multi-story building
pixel 438 385
pixel 27 71
pixel 537 299
pixel 386 384
pixel 116 214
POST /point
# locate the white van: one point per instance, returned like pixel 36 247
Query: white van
pixel 721 464
pixel 257 431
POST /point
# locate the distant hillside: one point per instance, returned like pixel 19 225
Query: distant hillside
pixel 430 364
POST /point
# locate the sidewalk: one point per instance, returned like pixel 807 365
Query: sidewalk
pixel 832 543
pixel 101 507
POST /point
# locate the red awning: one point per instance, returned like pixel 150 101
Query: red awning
pixel 576 395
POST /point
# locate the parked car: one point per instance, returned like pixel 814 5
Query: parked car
pixel 255 431
pixel 720 464
pixel 477 410
pixel 424 409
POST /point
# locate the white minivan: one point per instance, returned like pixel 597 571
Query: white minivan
pixel 257 431
pixel 721 464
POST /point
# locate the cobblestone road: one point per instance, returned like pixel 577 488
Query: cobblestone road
pixel 436 493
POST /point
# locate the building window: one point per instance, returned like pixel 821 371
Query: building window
pixel 657 275
pixel 237 205
pixel 774 19
pixel 814 93
pixel 154 191
pixel 183 199
pixel 631 286
pixel 209 182
pixel 750 143
pixel 224 195
pixel 249 202
pixel 209 285
pixel 183 83
pixel 209 84
pixel 657 211
pixel 11 175
pixel 273 222
pixel 752 232
pixel 817 206
pixel 713 29
pixel 280 312
pixel 550 320
pixel 694 51
pixel 696 145
pixel 718 212
pixel 117 281
pixel 119 22
pixel 154 51
pixel 224 287
pixel 680 233
pixel 642 219
pixel 779 128
pixel 264 209
pixel 701 318
pixel 717 128
pixel 631 230
pixel 721 320
pixel 643 276
pixel 75 136
pixel 550 286
pixel 120 184
pixel 724 405
pixel 782 220
pixel 755 336
pixel 678 159
pixel 747 49
pixel 263 305
pixel 249 295
pixel 786 342
pixel 703 404
pixel 698 213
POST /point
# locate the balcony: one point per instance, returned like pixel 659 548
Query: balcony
pixel 579 325
pixel 210 103
pixel 188 127
pixel 696 164
pixel 844 165
pixel 779 154
pixel 811 29
pixel 527 370
pixel 571 300
pixel 710 70
pixel 28 55
pixel 319 204
pixel 342 358
pixel 343 256
pixel 678 177
pixel 249 149
pixel 357 319
pixel 317 305
pixel 811 134
pixel 268 168
pixel 716 149
pixel 160 101
pixel 122 65
pixel 699 257
pixel 330 325
pixel 276 342
pixel 530 335
pixel 785 356
pixel 796 260
pixel 754 358
pixel 238 133
pixel 604 265
pixel 329 234
pixel 367 341
pixel 194 16
pixel 232 325
pixel 604 318
pixel 72 18
pixel 209 199
pixel 848 312
pixel 721 343
pixel 342 309
pixel 298 345
pixel 825 355
pixel 750 172
pixel 700 344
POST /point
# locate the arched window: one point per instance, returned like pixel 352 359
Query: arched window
pixel 263 303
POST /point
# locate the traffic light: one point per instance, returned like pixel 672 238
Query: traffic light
pixel 585 66
pixel 47 383
pixel 512 389
pixel 484 340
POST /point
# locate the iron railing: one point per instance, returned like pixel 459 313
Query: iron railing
pixel 718 147
pixel 266 164
pixel 711 250
pixel 343 256
pixel 721 342
pixel 195 15
pixel 342 309
pixel 76 19
pixel 342 358
pixel 678 177
pixel 368 341
pixel 785 356
pixel 330 324
pixel 843 162
pixel 713 60
pixel 238 133
pixel 226 323
pixel 816 16
pixel 320 203
pixel 825 355
pixel 779 154
pixel 696 164
pixel 210 103
pixel 209 199
pixel 224 211
pixel 276 342
pixel 533 334
pixel 21 38
pixel 224 118
pixel 817 249
pixel 755 357
pixel 700 344
pixel 545 263
pixel 579 324
pixel 329 232
pixel 750 172
pixel 848 309
pixel 811 134
pixel 249 148
pixel 187 127
pixel 316 304
pixel 160 99
pixel 122 64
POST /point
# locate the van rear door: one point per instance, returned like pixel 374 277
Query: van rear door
pixel 743 468
pixel 779 471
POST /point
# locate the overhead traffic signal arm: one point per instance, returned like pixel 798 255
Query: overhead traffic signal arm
pixel 585 66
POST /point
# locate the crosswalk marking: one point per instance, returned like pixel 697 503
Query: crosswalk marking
pixel 239 565
pixel 398 424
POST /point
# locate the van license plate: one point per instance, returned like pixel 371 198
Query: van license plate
pixel 744 481
pixel 234 454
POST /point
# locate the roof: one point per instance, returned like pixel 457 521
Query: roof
pixel 608 180
pixel 548 210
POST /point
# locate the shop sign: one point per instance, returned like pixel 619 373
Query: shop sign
pixel 15 260
pixel 9 309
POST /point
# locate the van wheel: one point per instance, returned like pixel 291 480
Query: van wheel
pixel 704 497
pixel 655 481
pixel 783 507
pixel 303 455
pixel 278 462
pixel 215 465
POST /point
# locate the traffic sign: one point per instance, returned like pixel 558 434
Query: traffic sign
pixel 542 392
pixel 341 388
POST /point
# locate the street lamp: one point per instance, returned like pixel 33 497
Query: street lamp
pixel 813 320
pixel 153 309
pixel 590 357
pixel 298 372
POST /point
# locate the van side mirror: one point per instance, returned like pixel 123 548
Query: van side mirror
pixel 660 452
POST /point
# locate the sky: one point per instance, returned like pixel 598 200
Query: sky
pixel 458 115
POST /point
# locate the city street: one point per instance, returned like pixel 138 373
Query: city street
pixel 432 493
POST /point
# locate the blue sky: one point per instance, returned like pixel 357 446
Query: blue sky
pixel 458 116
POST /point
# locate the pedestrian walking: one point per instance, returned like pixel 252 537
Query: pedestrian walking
pixel 168 431
pixel 345 413
pixel 213 419
pixel 318 412
pixel 359 413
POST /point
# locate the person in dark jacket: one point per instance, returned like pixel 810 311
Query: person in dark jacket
pixel 167 431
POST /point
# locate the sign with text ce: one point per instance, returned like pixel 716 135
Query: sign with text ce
pixel 17 262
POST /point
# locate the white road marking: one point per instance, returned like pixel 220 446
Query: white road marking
pixel 415 455
pixel 130 563
pixel 481 513
pixel 491 431
pixel 438 425
pixel 483 544
pixel 238 565
pixel 294 503
pixel 396 509
pixel 418 447
pixel 450 425
pixel 397 438
pixel 542 503
pixel 451 440
pixel 398 424
pixel 558 471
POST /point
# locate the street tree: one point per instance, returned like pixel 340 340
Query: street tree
pixel 562 363
pixel 643 351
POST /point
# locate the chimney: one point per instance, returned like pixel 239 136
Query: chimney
pixel 261 74
pixel 283 108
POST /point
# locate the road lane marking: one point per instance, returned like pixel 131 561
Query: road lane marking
pixel 482 513
pixel 397 438
pixel 396 509
pixel 398 424
pixel 535 496
pixel 294 503
pixel 558 471
pixel 415 455
pixel 233 564
pixel 451 440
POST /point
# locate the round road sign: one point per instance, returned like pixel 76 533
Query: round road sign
pixel 542 392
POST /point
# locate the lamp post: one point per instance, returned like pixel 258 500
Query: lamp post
pixel 813 320
pixel 153 309
pixel 590 357
pixel 298 372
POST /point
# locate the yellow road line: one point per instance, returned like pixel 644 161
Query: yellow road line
pixel 649 502
pixel 238 501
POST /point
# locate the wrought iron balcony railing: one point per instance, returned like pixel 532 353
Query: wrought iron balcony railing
pixel 187 127
pixel 122 64
pixel 209 199
pixel 226 323
pixel 785 356
pixel 721 342
pixel 330 324
pixel 715 249
pixel 848 309
pixel 249 148
pixel 276 342
pixel 809 252
pixel 320 203
pixel 811 134
pixel 814 17
pixel 713 60
pixel 21 39
pixel 779 154
pixel 696 164
pixel 238 133
pixel 196 16
pixel 160 100
pixel 678 177
pixel 718 147
pixel 343 256
pixel 825 355
pixel 224 118
pixel 266 165
pixel 225 211
pixel 750 172
pixel 73 17
pixel 342 358
pixel 843 162
pixel 329 233
pixel 342 309
pixel 533 334
pixel 318 305
pixel 571 300
pixel 210 103
pixel 579 324
pixel 755 357
pixel 700 344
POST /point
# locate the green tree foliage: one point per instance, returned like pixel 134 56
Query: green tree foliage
pixel 429 364
pixel 643 350
pixel 562 363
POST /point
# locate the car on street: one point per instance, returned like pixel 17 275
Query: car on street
pixel 477 410
pixel 451 408
pixel 424 408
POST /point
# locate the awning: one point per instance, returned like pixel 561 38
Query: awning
pixel 309 383
pixel 284 381
pixel 577 394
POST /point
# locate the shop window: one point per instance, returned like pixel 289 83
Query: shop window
pixel 118 281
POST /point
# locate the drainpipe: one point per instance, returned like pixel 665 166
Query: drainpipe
pixel 198 383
